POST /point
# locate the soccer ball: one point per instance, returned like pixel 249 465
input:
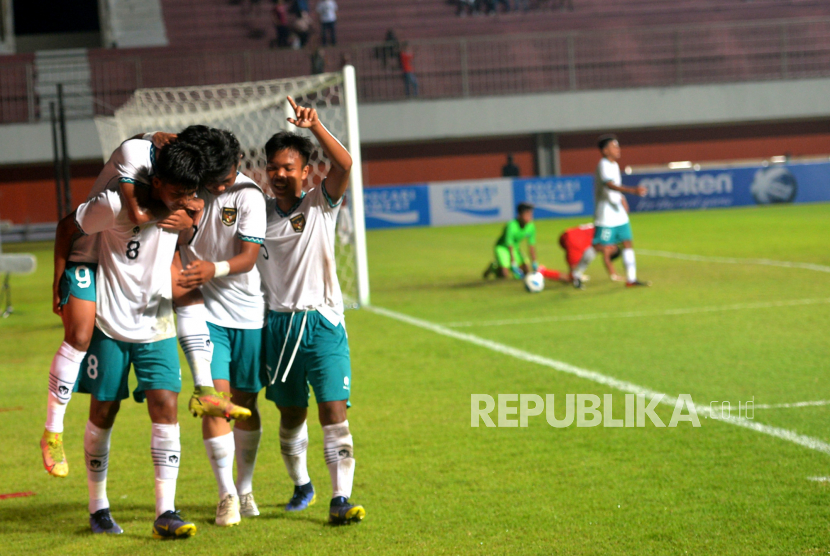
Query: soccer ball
pixel 773 185
pixel 534 282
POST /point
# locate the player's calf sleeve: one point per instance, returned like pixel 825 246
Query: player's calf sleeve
pixel 62 376
pixel 97 455
pixel 194 337
pixel 220 451
pixel 166 449
pixel 630 265
pixel 247 445
pixel 339 451
pixel 582 265
pixel 294 447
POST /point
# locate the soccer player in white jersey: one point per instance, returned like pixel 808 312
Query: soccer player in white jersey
pixel 130 167
pixel 74 285
pixel 135 326
pixel 220 256
pixel 305 334
pixel 611 223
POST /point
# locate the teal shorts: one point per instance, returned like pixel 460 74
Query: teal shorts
pixel 612 235
pixel 237 357
pixel 106 368
pixel 322 360
pixel 78 280
pixel 503 256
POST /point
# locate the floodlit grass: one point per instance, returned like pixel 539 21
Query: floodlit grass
pixel 430 483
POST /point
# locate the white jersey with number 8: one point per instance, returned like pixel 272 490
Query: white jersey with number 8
pixel 135 301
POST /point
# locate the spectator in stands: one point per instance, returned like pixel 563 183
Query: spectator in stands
pixel 279 16
pixel 327 10
pixel 318 62
pixel 302 29
pixel 391 49
pixel 299 7
pixel 510 170
pixel 410 82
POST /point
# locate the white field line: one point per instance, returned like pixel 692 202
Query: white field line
pixel 732 260
pixel 819 479
pixel 631 314
pixel 624 386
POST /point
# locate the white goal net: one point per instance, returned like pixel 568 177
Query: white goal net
pixel 254 112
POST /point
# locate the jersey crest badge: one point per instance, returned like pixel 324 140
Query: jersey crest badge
pixel 298 223
pixel 228 216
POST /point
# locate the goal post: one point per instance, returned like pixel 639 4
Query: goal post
pixel 254 111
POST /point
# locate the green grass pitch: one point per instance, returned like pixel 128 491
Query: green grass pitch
pixel 430 483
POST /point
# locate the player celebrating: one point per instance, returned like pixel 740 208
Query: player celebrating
pixel 305 334
pixel 508 256
pixel 230 233
pixel 74 290
pixel 134 325
pixel 611 216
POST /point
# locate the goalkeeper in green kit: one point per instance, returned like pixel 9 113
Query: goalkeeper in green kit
pixel 509 258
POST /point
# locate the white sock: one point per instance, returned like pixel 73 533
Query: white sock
pixel 220 451
pixel 97 455
pixel 166 449
pixel 583 263
pixel 194 337
pixel 630 264
pixel 339 451
pixel 62 376
pixel 294 447
pixel 247 445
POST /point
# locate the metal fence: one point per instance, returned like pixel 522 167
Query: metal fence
pixel 468 67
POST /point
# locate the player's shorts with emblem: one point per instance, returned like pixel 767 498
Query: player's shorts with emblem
pixel 237 357
pixel 503 256
pixel 322 360
pixel 613 235
pixel 78 280
pixel 106 368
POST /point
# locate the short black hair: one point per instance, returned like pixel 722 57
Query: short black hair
pixel 287 140
pixel 605 139
pixel 182 165
pixel 219 147
pixel 522 207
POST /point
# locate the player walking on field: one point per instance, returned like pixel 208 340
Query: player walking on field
pixel 305 334
pixel 135 326
pixel 130 168
pixel 220 256
pixel 611 221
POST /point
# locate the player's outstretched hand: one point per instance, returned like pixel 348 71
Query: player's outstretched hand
pixel 305 117
pixel 641 190
pixel 176 221
pixel 196 274
pixel 161 138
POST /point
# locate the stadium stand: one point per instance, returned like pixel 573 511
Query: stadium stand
pixel 600 44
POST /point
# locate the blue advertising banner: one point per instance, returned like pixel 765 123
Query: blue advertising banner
pixel 731 187
pixel 471 202
pixel 495 200
pixel 395 207
pixel 556 197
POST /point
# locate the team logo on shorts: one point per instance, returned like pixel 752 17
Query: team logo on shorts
pixel 228 216
pixel 298 223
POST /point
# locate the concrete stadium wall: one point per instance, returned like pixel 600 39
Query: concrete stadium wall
pixel 418 140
